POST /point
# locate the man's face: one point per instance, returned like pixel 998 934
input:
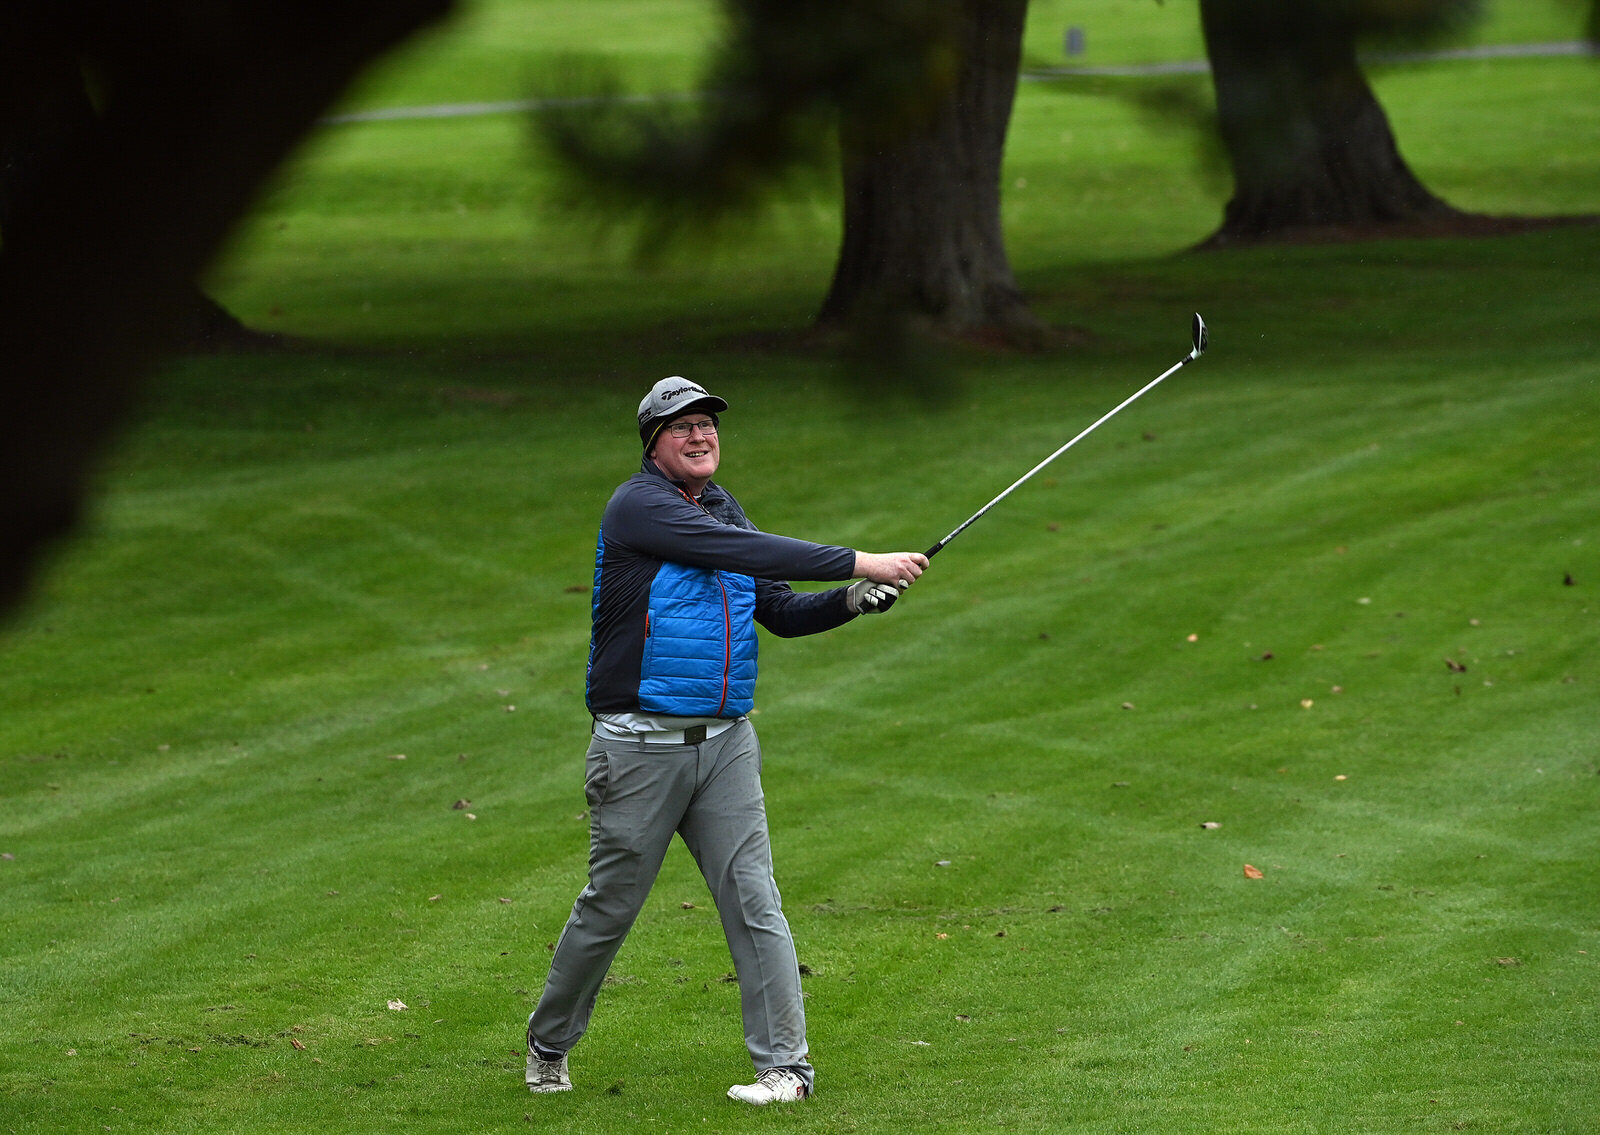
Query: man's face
pixel 693 458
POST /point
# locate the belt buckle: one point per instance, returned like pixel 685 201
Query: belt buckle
pixel 694 735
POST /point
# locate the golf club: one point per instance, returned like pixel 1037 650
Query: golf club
pixel 1198 334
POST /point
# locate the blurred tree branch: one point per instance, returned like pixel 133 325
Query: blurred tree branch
pixel 921 94
pixel 199 101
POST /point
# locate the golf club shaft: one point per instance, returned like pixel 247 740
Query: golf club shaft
pixel 1098 422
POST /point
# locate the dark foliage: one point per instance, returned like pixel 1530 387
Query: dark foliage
pixel 198 101
pixel 782 74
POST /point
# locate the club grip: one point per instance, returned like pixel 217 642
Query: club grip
pixel 933 551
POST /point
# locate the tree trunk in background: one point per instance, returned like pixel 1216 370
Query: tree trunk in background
pixel 1309 144
pixel 922 237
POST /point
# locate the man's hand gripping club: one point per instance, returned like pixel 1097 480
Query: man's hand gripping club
pixel 885 575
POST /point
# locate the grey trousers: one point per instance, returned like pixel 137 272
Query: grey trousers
pixel 710 794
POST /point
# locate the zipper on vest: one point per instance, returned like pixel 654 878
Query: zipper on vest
pixel 727 643
pixel 727 616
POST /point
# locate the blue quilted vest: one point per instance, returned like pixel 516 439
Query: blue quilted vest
pixel 700 644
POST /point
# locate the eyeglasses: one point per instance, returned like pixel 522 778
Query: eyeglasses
pixel 707 428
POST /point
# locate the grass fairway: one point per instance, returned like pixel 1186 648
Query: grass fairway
pixel 1332 588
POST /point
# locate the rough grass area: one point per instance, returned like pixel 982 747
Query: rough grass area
pixel 294 730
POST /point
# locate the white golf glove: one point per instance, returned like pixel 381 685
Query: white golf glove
pixel 864 597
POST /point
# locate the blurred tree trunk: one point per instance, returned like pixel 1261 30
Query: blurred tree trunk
pixel 35 136
pixel 1309 144
pixel 922 236
pixel 202 99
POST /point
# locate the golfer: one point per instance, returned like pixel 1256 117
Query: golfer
pixel 681 578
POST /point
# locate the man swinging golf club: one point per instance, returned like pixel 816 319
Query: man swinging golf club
pixel 681 578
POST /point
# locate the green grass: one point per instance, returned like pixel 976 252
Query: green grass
pixel 300 567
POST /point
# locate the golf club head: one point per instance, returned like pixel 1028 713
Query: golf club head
pixel 1200 337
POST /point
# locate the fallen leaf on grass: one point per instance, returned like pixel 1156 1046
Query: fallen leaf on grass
pixel 1210 825
pixel 1306 703
pixel 1127 705
pixel 462 803
pixel 1568 580
pixel 1193 638
pixel 687 905
pixel 1455 666
pixel 963 1018
pixel 397 756
pixel 435 898
pixel 396 1005
pixel 298 1046
pixel 1508 961
pixel 1253 872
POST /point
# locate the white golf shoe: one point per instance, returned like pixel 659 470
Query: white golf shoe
pixel 775 1085
pixel 547 1075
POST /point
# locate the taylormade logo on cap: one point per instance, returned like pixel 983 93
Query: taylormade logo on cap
pixel 669 398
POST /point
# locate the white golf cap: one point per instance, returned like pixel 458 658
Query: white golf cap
pixel 671 398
